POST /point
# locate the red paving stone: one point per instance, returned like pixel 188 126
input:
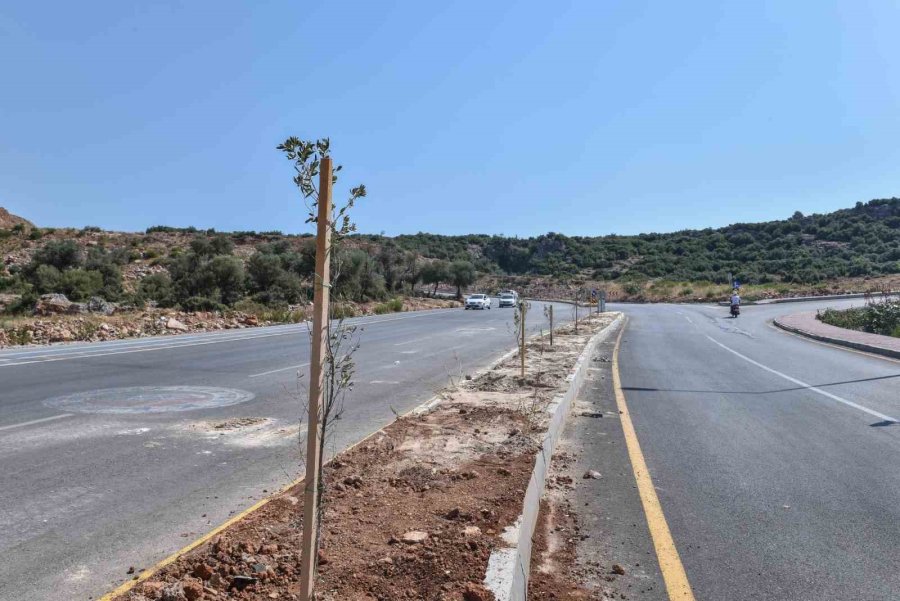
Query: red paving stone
pixel 806 324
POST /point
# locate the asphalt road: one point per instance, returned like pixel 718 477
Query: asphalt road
pixel 95 479
pixel 774 457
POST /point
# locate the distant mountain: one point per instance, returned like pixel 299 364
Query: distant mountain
pixel 8 220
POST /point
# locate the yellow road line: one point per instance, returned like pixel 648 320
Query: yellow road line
pixel 676 579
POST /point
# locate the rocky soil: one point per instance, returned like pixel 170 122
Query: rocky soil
pixel 412 513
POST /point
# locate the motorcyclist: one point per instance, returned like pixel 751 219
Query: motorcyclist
pixel 735 301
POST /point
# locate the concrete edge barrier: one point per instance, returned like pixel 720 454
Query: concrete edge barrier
pixel 859 346
pixel 509 567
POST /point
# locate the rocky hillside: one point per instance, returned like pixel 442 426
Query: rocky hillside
pixel 9 221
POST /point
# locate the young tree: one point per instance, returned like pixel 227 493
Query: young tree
pixel 331 368
pixel 462 274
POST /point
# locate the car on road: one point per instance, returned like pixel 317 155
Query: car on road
pixel 507 299
pixel 478 301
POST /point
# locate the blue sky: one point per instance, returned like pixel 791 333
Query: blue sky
pixel 583 117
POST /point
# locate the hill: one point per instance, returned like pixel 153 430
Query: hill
pixel 863 241
pixel 204 270
pixel 9 221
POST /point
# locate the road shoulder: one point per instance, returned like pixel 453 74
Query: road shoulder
pixel 593 538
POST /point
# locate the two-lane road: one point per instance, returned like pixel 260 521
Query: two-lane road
pixel 774 458
pixel 110 456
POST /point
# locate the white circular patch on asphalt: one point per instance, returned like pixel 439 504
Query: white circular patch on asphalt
pixel 149 399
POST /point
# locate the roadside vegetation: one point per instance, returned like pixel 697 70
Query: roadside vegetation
pixel 879 317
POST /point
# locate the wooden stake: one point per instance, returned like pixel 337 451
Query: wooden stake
pixel 522 348
pixel 551 325
pixel 316 384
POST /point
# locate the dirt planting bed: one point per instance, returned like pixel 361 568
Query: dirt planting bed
pixel 413 512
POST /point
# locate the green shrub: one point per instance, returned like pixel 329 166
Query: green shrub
pixel 343 310
pixel 79 284
pixel 157 287
pixel 394 305
pixel 202 303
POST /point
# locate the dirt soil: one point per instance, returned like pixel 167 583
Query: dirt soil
pixel 413 512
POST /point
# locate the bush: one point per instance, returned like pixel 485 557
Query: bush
pixel 62 254
pixel 157 287
pixel 394 305
pixel 876 318
pixel 202 303
pixel 79 284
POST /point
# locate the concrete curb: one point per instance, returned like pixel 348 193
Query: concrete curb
pixel 860 346
pixel 509 567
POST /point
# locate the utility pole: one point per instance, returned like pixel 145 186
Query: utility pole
pixel 316 383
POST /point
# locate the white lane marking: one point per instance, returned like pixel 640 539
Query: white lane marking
pixel 384 382
pixel 691 321
pixel 86 353
pixel 275 371
pixel 824 393
pixel 414 340
pixel 36 421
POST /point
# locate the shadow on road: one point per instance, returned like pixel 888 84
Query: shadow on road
pixel 775 391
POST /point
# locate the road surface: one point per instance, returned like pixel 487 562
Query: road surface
pixel 774 457
pixel 110 456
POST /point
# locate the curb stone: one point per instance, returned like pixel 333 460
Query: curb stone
pixel 509 567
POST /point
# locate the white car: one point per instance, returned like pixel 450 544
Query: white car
pixel 507 299
pixel 478 301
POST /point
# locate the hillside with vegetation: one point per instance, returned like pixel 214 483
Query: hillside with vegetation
pixel 863 241
pixel 269 275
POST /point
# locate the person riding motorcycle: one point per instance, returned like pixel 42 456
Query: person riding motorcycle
pixel 735 304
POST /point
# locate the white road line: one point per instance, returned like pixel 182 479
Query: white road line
pixel 275 371
pixel 833 397
pixel 86 353
pixel 36 421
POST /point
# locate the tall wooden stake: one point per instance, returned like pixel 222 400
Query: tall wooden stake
pixel 522 347
pixel 316 384
pixel 551 325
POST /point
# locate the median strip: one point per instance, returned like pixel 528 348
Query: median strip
pixel 420 509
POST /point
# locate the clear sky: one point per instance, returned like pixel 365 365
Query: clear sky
pixel 585 117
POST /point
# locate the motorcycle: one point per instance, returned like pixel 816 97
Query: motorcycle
pixel 735 310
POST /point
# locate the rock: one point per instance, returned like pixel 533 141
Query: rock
pixel 56 304
pixel 618 569
pixel 250 320
pixel 414 537
pixel 476 592
pixel 173 592
pixel 130 570
pixel 203 571
pixel 174 324
pixel 592 475
pixel 386 561
pixel 98 305
pixel 471 531
pixel 354 480
pixel 453 514
pixel 240 581
pixel 193 590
